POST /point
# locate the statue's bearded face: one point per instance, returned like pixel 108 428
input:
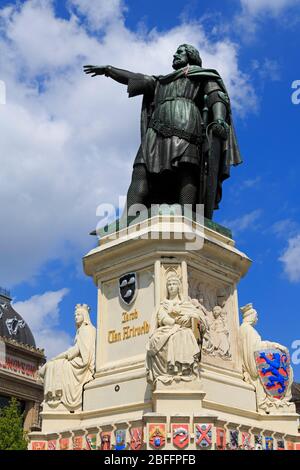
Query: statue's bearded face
pixel 180 58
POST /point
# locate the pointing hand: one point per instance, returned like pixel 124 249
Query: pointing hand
pixel 95 69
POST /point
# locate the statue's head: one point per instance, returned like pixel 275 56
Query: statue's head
pixel 173 284
pixel 249 314
pixel 186 54
pixel 82 315
pixel 217 311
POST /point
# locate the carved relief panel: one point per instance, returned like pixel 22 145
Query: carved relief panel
pixel 220 339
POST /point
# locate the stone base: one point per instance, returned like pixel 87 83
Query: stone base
pixel 276 427
pixel 208 263
pixel 183 396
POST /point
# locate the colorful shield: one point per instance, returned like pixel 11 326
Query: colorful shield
pixel 274 369
pixel 258 442
pixel 64 443
pixel 269 443
pixel 91 442
pixel 120 435
pixel 38 445
pixel 136 438
pixel 157 435
pixel 246 441
pixel 105 439
pixel 234 439
pixel 128 287
pixel 203 436
pixel 52 445
pixel 221 439
pixel 77 442
pixel 180 435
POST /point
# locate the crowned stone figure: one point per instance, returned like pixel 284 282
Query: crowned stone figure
pixel 173 353
pixel 266 366
pixel 65 375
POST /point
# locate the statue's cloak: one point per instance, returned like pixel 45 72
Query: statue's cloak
pixel 230 150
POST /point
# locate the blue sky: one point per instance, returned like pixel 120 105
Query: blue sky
pixel 59 162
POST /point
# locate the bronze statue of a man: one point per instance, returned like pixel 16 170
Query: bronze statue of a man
pixel 188 141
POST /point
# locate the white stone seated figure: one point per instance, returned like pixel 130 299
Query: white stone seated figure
pixel 251 343
pixel 65 375
pixel 173 353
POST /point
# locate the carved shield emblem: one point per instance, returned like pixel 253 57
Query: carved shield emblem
pixel 246 441
pixel 77 442
pixel 203 436
pixel 280 445
pixel 274 369
pixel 136 438
pixel 120 439
pixel 128 288
pixel 180 435
pixel 234 439
pixel 105 439
pixel 91 442
pixel 157 435
pixel 13 325
pixel 269 443
pixel 38 445
pixel 258 443
pixel 221 438
pixel 64 443
pixel 52 445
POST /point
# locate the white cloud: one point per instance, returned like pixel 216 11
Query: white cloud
pixel 99 12
pixel 41 313
pixel 255 7
pixel 68 141
pixel 291 259
pixel 286 228
pixel 253 12
pixel 242 223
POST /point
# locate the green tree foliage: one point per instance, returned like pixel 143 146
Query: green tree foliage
pixel 12 436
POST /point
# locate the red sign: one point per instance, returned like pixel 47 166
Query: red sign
pixel 18 366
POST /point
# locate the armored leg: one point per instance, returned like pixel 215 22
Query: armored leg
pixel 139 187
pixel 188 184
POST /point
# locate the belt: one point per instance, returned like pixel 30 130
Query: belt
pixel 171 98
pixel 170 131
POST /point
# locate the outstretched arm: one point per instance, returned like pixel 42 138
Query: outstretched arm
pixel 119 75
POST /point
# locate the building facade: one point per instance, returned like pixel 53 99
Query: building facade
pixel 19 363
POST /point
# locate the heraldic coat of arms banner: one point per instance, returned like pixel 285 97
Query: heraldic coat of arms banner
pixel 274 369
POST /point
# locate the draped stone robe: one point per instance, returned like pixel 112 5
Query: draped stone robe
pixel 172 350
pixel 64 378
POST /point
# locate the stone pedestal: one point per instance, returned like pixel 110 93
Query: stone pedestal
pixel 204 258
pixel 184 397
pixel 210 267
